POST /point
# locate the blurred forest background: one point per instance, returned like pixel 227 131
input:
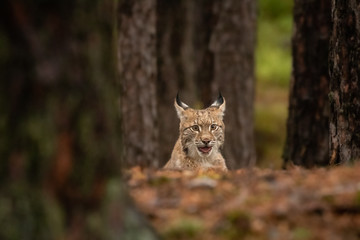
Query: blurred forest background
pixel 88 88
pixel 273 73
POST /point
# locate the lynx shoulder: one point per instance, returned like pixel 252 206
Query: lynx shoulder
pixel 202 135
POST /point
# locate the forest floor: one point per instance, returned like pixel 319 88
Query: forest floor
pixel 321 203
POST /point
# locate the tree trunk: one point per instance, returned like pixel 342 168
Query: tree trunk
pixel 307 124
pixel 233 44
pixel 60 144
pixel 202 49
pixel 169 31
pixel 184 61
pixel 138 73
pixel 344 83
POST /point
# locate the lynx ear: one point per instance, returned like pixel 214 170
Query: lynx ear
pixel 220 104
pixel 180 107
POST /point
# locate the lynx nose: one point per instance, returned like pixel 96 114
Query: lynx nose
pixel 206 141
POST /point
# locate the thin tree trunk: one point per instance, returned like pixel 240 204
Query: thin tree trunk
pixel 138 73
pixel 344 83
pixel 307 124
pixel 233 44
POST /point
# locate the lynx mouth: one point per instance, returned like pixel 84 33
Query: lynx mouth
pixel 205 149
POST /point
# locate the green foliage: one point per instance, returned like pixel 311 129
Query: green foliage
pixel 275 8
pixel 273 55
pixel 270 126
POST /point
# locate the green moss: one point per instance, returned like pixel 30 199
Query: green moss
pixel 236 225
pixel 158 181
pixel 184 228
pixel 237 215
pixel 301 233
pixel 328 199
pixel 357 199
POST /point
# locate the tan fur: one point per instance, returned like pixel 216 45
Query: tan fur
pixel 208 133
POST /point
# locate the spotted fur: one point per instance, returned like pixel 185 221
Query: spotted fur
pixel 202 135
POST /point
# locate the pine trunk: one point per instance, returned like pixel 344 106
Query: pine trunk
pixel 169 41
pixel 202 49
pixel 307 124
pixel 138 73
pixel 232 45
pixel 184 61
pixel 344 83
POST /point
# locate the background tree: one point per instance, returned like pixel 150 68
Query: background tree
pixel 233 46
pixel 197 41
pixel 344 83
pixel 307 124
pixel 60 144
pixel 138 73
pixel 184 65
pixel 170 24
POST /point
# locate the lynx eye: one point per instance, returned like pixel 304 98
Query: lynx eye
pixel 213 126
pixel 195 128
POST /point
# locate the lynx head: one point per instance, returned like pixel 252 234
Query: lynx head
pixel 201 131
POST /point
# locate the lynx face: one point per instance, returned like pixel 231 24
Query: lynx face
pixel 201 131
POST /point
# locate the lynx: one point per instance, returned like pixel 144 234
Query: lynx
pixel 201 137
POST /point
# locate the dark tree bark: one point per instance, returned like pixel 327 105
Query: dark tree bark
pixel 202 49
pixel 185 62
pixel 169 41
pixel 344 83
pixel 59 141
pixel 206 18
pixel 232 45
pixel 138 73
pixel 307 124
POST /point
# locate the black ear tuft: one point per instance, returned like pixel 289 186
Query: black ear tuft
pixel 180 103
pixel 178 99
pixel 219 101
